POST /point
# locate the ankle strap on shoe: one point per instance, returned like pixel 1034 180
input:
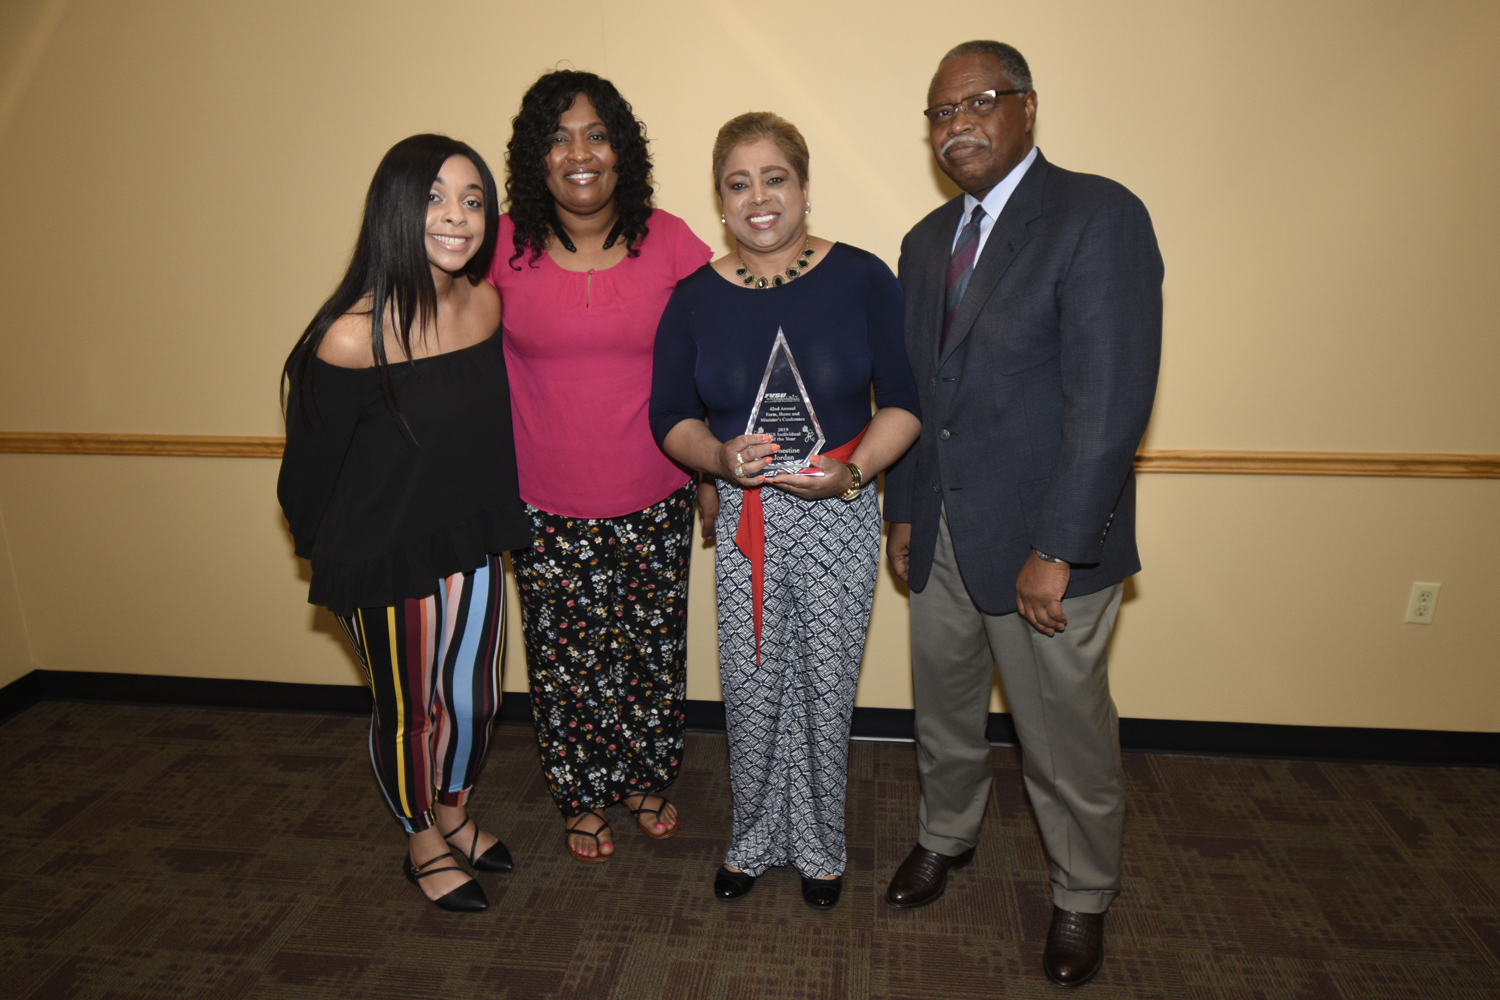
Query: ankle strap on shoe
pixel 421 871
pixel 456 829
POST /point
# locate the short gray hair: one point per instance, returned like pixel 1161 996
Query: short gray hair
pixel 1011 60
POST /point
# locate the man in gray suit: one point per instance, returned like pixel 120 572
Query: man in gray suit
pixel 1033 326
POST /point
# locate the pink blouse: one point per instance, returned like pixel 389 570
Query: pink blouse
pixel 578 346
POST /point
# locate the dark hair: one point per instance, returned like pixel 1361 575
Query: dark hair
pixel 753 126
pixel 532 207
pixel 1011 60
pixel 390 257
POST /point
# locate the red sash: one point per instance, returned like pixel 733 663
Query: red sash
pixel 750 536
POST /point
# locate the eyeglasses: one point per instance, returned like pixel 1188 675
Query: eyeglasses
pixel 975 104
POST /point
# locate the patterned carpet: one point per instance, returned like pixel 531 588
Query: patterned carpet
pixel 168 852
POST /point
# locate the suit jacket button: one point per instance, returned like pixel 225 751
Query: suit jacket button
pixel 934 381
pixel 936 488
pixel 945 435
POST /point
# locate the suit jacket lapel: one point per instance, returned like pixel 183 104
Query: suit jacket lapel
pixel 1009 233
pixel 935 270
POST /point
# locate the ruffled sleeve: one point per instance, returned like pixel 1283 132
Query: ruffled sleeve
pixel 319 427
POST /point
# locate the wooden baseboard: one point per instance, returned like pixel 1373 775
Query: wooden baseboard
pixel 1174 736
pixel 1182 461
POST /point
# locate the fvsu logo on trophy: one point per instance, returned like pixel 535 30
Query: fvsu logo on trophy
pixel 783 410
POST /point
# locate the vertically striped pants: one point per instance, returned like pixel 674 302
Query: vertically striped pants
pixel 788 715
pixel 433 664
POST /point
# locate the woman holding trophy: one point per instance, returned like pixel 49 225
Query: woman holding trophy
pixel 777 346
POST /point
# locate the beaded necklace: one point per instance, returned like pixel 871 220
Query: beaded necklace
pixel 792 273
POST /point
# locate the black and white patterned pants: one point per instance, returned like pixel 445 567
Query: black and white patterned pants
pixel 788 717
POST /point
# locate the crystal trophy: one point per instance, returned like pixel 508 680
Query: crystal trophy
pixel 783 410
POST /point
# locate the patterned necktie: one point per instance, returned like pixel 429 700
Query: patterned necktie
pixel 960 268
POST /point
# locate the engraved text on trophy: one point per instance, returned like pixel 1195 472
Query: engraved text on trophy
pixel 783 410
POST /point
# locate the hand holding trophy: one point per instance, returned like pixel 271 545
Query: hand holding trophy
pixel 825 477
pixel 741 460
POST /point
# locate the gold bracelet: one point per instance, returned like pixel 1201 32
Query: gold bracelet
pixel 855 486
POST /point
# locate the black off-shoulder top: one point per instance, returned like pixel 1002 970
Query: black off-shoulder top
pixel 384 515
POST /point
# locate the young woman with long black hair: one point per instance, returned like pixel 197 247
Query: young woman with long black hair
pixel 399 484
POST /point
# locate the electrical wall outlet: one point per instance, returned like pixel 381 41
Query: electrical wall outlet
pixel 1423 603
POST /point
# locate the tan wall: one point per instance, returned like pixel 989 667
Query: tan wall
pixel 15 652
pixel 180 183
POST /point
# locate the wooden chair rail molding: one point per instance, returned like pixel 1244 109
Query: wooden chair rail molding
pixel 1432 465
pixel 195 445
pixel 1234 463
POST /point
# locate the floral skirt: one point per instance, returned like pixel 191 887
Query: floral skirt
pixel 604 616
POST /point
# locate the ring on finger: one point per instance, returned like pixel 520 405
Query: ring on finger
pixel 739 471
pixel 739 458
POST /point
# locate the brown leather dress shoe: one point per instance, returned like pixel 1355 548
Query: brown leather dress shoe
pixel 1075 947
pixel 922 877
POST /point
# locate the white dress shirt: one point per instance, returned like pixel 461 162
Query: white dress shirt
pixel 993 202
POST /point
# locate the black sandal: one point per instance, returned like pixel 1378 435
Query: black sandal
pixel 496 859
pixel 601 856
pixel 467 898
pixel 657 813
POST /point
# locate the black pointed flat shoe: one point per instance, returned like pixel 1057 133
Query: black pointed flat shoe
pixel 467 898
pixel 732 885
pixel 497 859
pixel 822 893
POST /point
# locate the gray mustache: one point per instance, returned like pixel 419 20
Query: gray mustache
pixel 964 140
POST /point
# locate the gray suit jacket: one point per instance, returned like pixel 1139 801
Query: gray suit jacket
pixel 1032 413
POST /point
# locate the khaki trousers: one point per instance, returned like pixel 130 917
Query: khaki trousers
pixel 1058 690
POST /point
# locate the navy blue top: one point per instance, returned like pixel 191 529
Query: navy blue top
pixel 842 320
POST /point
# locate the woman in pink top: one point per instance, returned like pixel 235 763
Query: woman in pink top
pixel 585 267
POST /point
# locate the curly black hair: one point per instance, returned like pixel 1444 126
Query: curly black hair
pixel 532 208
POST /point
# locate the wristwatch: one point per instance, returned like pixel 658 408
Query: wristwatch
pixel 1044 557
pixel 855 486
